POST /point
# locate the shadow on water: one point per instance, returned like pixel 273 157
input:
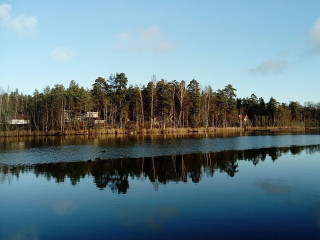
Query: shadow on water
pixel 115 173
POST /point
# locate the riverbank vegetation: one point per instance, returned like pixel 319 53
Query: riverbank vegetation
pixel 111 106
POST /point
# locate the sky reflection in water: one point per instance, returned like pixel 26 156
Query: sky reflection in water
pixel 253 194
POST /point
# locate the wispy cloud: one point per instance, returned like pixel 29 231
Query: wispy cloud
pixel 293 55
pixel 143 40
pixel 22 25
pixel 270 67
pixel 62 54
pixel 315 36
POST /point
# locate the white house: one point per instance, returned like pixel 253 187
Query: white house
pixel 92 114
pixel 19 119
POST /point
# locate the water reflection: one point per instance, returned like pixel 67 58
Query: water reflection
pixel 273 186
pixel 64 207
pixel 20 143
pixel 74 149
pixel 23 232
pixel 114 174
pixel 133 217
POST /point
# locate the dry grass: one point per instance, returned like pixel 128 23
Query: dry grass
pixel 153 131
pixel 275 129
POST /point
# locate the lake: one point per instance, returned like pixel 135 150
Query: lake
pixel 227 186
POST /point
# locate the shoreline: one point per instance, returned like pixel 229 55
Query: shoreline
pixel 155 131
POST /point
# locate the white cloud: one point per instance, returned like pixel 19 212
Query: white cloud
pixel 270 67
pixel 165 46
pixel 143 39
pixel 5 11
pixel 62 54
pixel 22 25
pixel 315 35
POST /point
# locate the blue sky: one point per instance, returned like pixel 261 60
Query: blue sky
pixel 270 48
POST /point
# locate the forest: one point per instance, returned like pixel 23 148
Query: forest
pixel 111 103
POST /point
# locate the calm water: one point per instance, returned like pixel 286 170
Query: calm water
pixel 246 187
pixel 55 149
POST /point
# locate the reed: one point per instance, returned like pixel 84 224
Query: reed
pixel 150 131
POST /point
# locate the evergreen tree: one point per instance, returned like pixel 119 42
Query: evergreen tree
pixel 194 103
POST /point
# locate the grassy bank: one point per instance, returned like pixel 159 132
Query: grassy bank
pixel 117 131
pixel 277 129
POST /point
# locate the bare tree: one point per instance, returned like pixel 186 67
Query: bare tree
pixel 141 103
pixel 153 81
pixel 207 100
pixel 181 96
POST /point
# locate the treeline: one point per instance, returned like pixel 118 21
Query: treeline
pixel 159 104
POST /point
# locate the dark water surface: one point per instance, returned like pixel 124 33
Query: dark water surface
pixel 245 187
pixel 82 148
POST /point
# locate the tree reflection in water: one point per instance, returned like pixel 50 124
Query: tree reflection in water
pixel 114 173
